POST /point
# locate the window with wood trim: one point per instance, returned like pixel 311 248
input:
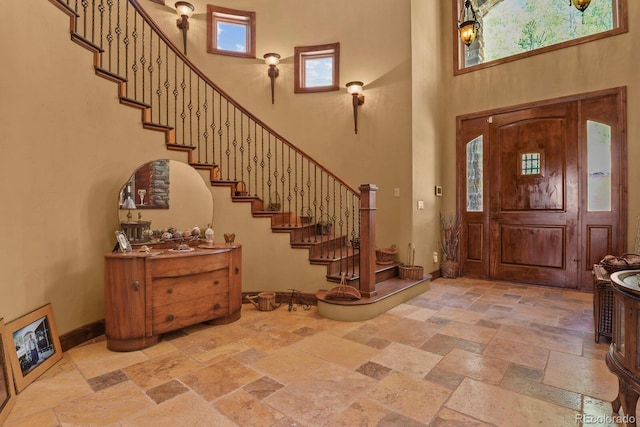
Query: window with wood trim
pixel 231 32
pixel 317 68
pixel 516 29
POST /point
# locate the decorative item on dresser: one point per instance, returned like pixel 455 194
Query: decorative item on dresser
pixel 150 293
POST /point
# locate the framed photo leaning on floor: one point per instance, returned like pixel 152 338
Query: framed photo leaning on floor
pixel 36 345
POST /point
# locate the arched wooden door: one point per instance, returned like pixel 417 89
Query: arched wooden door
pixel 541 190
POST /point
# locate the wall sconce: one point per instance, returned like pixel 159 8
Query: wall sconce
pixel 468 24
pixel 185 11
pixel 355 89
pixel 272 60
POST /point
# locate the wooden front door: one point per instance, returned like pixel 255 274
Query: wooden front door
pixel 542 189
pixel 533 202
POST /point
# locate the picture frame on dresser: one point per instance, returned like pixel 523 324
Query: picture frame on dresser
pixel 123 242
pixel 36 345
pixel 7 390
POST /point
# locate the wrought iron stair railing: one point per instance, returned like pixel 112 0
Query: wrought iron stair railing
pixel 219 134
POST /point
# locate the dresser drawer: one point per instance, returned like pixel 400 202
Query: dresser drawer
pixel 169 290
pixel 179 315
pixel 176 266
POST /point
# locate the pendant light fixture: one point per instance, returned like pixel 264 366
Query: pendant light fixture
pixel 581 5
pixel 468 24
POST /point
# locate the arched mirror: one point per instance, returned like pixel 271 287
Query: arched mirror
pixel 164 196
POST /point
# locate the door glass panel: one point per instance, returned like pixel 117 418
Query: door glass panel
pixel 599 166
pixel 530 163
pixel 474 175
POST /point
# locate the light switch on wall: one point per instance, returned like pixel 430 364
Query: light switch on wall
pixel 420 204
pixel 396 192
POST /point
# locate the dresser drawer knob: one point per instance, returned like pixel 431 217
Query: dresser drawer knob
pixel 237 270
pixel 170 290
pixel 216 282
pixel 216 307
pixel 136 286
pixel 170 318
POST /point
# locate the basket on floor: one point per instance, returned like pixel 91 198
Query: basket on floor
pixel 386 255
pixel 413 272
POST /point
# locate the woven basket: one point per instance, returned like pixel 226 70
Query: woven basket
pixel 619 263
pixel 386 255
pixel 413 272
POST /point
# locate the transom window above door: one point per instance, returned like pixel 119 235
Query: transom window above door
pixel 514 29
pixel 231 32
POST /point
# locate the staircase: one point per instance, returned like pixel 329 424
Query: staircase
pixel 321 213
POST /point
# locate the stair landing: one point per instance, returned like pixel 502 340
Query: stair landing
pixel 389 294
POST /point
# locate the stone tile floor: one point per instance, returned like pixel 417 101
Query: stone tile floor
pixel 464 353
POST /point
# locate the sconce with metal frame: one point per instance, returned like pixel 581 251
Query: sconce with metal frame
pixel 185 11
pixel 468 24
pixel 355 89
pixel 272 60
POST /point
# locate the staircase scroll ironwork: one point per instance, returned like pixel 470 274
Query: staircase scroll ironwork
pixel 218 134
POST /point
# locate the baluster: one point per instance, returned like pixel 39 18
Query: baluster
pixel 143 62
pixel 227 152
pixel 242 149
pixel 205 132
pixel 289 182
pixel 166 83
pixel 118 31
pixel 255 158
pixel 234 143
pixel 126 42
pixel 134 65
pixel 159 86
pixel 190 107
pixel 198 114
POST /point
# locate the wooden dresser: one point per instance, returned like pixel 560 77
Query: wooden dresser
pixel 148 294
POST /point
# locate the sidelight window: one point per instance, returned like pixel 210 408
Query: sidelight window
pixel 599 166
pixel 474 175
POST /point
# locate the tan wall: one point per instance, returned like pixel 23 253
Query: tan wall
pixel 374 48
pixel 607 63
pixel 67 148
pixel 68 145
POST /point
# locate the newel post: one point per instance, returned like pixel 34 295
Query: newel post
pixel 368 239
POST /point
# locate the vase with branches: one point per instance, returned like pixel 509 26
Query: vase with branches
pixel 449 242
